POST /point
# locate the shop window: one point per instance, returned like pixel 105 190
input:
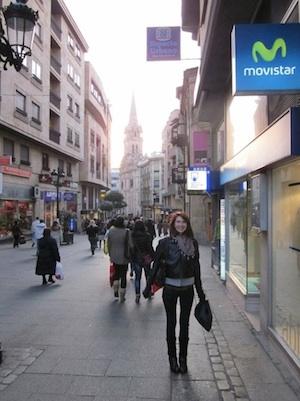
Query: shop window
pixel 45 161
pixel 286 255
pixel 9 148
pixel 24 155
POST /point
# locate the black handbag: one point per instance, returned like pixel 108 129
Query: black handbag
pixel 203 314
pixel 22 240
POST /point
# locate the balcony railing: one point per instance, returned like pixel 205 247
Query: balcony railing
pixel 55 64
pixel 54 99
pixel 54 136
pixel 56 28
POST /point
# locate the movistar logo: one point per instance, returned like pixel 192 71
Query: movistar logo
pixel 268 54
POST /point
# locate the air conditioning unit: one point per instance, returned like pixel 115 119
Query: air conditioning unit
pixel 36 192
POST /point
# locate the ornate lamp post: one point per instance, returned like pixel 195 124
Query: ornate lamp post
pixel 59 173
pixel 20 21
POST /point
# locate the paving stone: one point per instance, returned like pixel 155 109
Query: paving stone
pixel 223 385
pixel 226 356
pixel 20 369
pixel 28 361
pixel 2 387
pixel 229 364
pixel 218 367
pixel 5 372
pixel 37 352
pixel 240 391
pixel 9 379
pixel 220 376
pixel 236 381
pixel 216 359
pixel 232 372
pixel 213 352
pixel 227 396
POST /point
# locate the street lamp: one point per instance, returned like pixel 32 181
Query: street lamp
pixel 59 173
pixel 20 21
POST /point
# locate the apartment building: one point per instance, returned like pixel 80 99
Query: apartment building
pixel 42 122
pixel 152 175
pixel 95 174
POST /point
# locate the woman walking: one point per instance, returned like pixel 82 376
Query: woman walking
pixel 178 257
pixel 92 232
pixel 119 244
pixel 47 257
pixel 142 255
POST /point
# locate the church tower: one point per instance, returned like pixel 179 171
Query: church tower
pixel 129 171
pixel 133 141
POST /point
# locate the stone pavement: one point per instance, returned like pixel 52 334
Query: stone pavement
pixel 72 341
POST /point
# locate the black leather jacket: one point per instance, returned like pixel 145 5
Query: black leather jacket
pixel 176 264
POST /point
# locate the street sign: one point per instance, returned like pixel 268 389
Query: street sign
pixel 163 43
pixel 197 179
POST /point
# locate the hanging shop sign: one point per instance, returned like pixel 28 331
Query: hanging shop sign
pixel 197 179
pixel 265 58
pixel 163 43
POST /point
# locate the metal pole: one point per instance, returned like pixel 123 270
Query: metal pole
pixel 57 195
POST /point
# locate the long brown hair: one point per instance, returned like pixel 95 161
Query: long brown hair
pixel 188 232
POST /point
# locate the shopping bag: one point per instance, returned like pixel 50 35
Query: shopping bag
pixel 59 273
pixel 112 274
pixel 22 240
pixel 203 314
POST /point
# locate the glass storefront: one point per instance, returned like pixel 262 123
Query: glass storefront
pixel 11 210
pixel 244 248
pixel 286 254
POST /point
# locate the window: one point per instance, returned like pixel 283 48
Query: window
pixel 92 164
pixel 61 164
pixel 69 169
pixel 38 31
pixel 77 110
pixel 8 147
pixel 70 103
pixel 77 52
pixel 45 161
pixel 156 183
pixel 24 154
pixel 20 102
pixel 92 138
pixel 36 70
pixel 131 183
pixel 70 41
pixel 77 79
pixel 36 113
pixel 77 140
pixel 69 135
pixel 70 70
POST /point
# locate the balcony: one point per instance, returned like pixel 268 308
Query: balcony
pixel 55 100
pixel 54 136
pixel 55 64
pixel 56 29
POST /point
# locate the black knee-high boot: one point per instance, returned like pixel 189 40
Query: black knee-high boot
pixel 172 355
pixel 183 343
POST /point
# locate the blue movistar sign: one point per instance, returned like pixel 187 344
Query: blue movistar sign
pixel 265 58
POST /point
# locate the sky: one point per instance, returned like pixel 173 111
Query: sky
pixel 115 31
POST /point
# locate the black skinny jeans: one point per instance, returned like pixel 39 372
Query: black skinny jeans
pixel 170 296
pixel 121 272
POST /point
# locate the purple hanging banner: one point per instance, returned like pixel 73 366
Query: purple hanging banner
pixel 163 43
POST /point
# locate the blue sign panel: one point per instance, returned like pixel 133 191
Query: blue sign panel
pixel 265 58
pixel 163 43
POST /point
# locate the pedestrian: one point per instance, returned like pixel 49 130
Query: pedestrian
pixel 165 227
pixel 56 232
pixel 39 232
pixel 101 232
pixel 178 257
pixel 119 245
pixel 33 230
pixel 16 232
pixel 141 256
pixel 159 227
pixel 150 228
pixel 47 257
pixel 92 232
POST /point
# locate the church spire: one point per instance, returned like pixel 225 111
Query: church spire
pixel 133 117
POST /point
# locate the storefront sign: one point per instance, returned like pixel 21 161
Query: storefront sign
pixel 197 179
pixel 15 171
pixel 163 43
pixel 69 196
pixel 5 160
pixel 50 196
pixel 265 58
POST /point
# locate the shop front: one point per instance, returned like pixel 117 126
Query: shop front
pixel 67 206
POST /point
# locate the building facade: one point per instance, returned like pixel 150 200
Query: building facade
pixel 129 171
pixel 255 147
pixel 95 169
pixel 37 122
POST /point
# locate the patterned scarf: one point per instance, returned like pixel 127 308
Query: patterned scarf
pixel 185 244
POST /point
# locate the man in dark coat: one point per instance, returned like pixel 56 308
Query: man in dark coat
pixel 47 257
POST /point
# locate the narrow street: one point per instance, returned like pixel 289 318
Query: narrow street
pixel 71 341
